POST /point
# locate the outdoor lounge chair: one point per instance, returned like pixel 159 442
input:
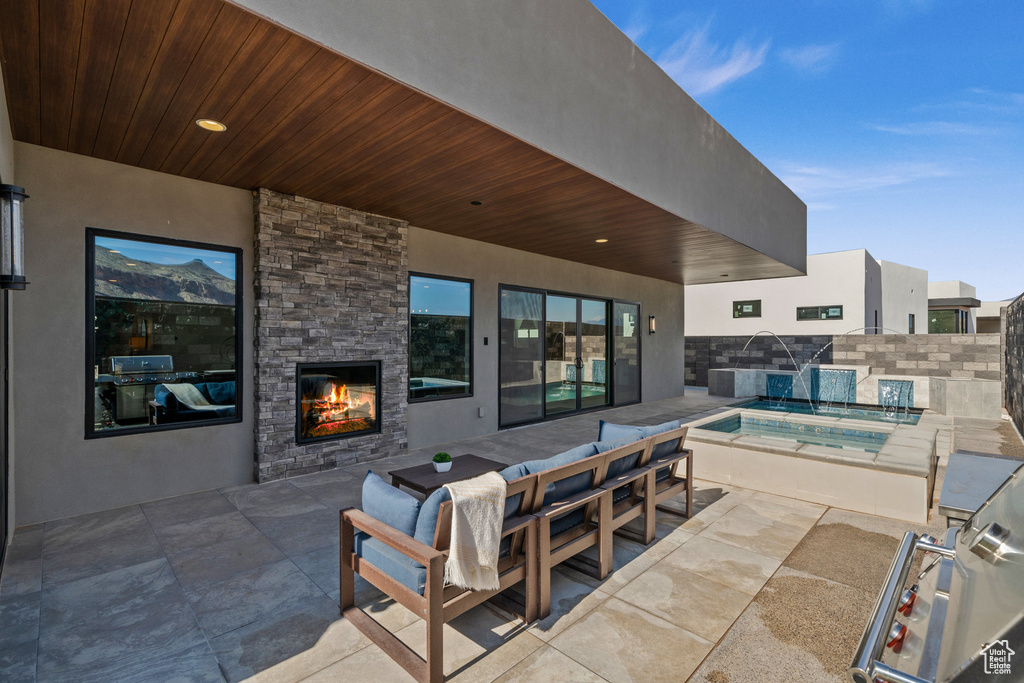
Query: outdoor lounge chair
pixel 412 572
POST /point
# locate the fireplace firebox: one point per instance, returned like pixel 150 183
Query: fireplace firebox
pixel 337 400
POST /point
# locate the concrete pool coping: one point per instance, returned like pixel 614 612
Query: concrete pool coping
pixel 895 482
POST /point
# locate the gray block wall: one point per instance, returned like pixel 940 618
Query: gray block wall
pixel 1013 384
pixel 331 285
pixel 959 356
pixel 761 352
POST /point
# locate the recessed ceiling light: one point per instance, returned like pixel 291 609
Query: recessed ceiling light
pixel 476 203
pixel 211 125
pixel 601 241
pixel 724 275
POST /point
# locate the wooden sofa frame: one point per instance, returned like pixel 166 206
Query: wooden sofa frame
pixel 533 551
pixel 438 604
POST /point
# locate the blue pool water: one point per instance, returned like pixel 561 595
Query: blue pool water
pixel 821 435
pixel 859 412
pixel 556 391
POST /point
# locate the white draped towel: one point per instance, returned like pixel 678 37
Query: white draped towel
pixel 478 509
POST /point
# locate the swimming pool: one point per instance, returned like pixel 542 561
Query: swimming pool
pixel 556 391
pixel 819 435
pixel 856 412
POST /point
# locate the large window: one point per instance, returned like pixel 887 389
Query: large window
pixel 162 333
pixel 947 321
pixel 819 313
pixel 440 337
pixel 746 309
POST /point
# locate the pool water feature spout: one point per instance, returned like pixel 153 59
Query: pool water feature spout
pixel 895 394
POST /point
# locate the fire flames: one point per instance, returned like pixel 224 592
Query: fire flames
pixel 340 410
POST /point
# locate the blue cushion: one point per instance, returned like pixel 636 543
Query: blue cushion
pixel 662 449
pixel 513 472
pixel 560 490
pixel 426 522
pixel 614 432
pixel 566 522
pixel 387 504
pixel 405 571
pixel 219 393
pixel 623 464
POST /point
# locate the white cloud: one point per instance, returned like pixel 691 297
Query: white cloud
pixel 821 181
pixel 812 58
pixel 700 66
pixel 933 128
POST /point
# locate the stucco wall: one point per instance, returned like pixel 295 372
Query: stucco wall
pixel 904 292
pixel 488 266
pixel 59 473
pixel 872 295
pixel 562 77
pixel 833 279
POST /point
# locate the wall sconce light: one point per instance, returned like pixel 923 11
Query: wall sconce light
pixel 12 237
pixel 650 324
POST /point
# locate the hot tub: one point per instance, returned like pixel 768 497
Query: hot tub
pixel 876 468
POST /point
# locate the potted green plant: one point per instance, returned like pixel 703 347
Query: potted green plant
pixel 442 462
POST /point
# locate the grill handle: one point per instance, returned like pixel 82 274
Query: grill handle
pixel 867 665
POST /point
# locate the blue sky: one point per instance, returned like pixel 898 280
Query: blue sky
pixel 900 123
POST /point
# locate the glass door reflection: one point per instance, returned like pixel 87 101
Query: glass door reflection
pixel 626 341
pixel 521 357
pixel 593 353
pixel 561 355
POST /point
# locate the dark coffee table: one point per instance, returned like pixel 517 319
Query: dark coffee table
pixel 425 480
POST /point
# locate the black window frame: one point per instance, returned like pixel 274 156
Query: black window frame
pixel 472 336
pixel 912 326
pixel 90 333
pixel 737 309
pixel 818 311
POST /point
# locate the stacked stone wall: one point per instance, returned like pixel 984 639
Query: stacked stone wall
pixel 331 285
pixel 1013 384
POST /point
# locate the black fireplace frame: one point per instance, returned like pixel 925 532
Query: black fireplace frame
pixel 300 367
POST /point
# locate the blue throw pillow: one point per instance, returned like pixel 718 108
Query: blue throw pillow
pixel 513 472
pixel 385 503
pixel 614 432
pixel 426 521
pixel 662 449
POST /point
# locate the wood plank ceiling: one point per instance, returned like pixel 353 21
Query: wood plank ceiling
pixel 125 81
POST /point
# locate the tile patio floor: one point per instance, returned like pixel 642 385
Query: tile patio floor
pixel 242 583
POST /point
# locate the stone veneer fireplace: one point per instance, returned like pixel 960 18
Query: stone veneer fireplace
pixel 331 291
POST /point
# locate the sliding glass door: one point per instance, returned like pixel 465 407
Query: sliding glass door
pixel 521 357
pixel 554 355
pixel 626 346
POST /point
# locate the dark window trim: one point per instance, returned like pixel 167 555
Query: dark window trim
pixel 472 336
pixel 819 309
pixel 90 333
pixel 737 305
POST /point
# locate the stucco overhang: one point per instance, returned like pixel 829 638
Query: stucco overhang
pixel 543 112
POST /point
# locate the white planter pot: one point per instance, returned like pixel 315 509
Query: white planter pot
pixel 442 466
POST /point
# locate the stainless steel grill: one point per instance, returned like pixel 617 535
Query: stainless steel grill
pixel 965 622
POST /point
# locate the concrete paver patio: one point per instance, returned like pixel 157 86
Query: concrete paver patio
pixel 242 583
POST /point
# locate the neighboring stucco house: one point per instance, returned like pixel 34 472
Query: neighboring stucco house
pixel 842 292
pixel 396 224
pixel 952 308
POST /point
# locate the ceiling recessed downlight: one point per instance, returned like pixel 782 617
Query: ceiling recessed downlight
pixel 601 241
pixel 476 202
pixel 211 125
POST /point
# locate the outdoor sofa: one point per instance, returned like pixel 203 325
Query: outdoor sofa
pixel 555 508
